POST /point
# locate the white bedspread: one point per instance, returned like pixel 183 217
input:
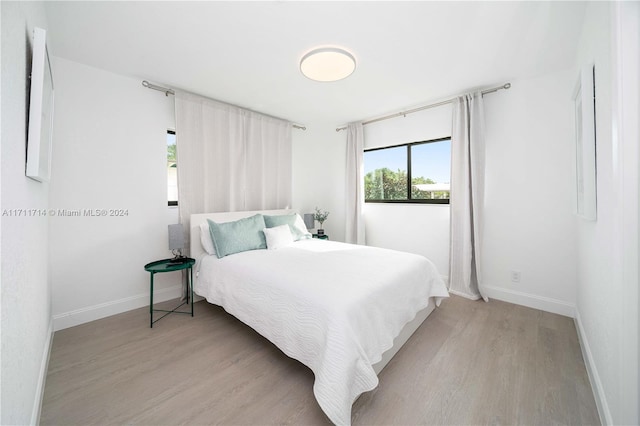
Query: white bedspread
pixel 334 307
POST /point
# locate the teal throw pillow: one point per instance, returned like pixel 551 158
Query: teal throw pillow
pixel 238 236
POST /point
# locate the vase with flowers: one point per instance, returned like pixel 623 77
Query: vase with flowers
pixel 320 216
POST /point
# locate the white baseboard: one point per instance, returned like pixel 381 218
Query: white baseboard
pixel 92 313
pixel 42 377
pixel 592 372
pixel 546 304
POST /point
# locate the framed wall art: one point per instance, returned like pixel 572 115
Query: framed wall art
pixel 585 144
pixel 39 139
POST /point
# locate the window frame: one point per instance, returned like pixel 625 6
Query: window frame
pixel 410 200
pixel 172 203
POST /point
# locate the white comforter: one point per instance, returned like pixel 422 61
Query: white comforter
pixel 334 307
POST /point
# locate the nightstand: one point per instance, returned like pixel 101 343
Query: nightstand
pixel 320 237
pixel 170 265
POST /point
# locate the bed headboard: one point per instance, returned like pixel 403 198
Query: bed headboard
pixel 197 219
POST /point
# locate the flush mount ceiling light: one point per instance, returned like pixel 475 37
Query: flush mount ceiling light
pixel 327 64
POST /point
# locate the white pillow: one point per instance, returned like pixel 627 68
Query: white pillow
pixel 278 236
pixel 302 228
pixel 205 238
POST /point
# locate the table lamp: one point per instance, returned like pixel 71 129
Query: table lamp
pixel 176 240
pixel 309 221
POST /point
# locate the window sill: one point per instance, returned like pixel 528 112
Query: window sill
pixel 424 202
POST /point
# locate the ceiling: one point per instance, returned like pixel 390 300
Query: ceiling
pixel 248 53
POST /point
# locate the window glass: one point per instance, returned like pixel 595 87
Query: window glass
pixel 426 165
pixel 431 170
pixel 386 174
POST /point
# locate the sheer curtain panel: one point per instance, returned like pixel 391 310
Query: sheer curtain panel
pixel 467 196
pixel 354 224
pixel 229 158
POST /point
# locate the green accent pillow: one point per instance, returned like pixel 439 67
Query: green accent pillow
pixel 238 236
pixel 295 222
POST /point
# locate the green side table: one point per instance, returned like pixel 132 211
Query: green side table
pixel 169 265
pixel 320 237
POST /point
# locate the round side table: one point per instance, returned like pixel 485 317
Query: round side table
pixel 170 265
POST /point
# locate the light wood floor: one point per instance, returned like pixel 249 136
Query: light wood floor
pixel 469 363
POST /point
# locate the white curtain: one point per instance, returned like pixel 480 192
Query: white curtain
pixel 354 223
pixel 467 196
pixel 229 158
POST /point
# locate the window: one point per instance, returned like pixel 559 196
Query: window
pixel 418 172
pixel 172 169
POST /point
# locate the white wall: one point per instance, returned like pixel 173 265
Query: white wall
pixel 110 150
pixel 529 223
pixel 109 153
pixel 529 226
pixel 607 310
pixel 26 292
pixel 416 228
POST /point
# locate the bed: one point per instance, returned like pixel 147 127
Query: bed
pixel 343 310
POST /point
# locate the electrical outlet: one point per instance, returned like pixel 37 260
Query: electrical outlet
pixel 515 276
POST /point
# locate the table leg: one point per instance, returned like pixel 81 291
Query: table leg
pixel 191 285
pixel 151 303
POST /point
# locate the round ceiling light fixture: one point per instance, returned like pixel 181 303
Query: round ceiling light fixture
pixel 327 64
